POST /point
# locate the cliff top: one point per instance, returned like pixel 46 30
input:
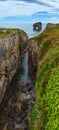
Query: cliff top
pixel 4 32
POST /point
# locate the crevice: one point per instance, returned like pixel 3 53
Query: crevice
pixel 19 101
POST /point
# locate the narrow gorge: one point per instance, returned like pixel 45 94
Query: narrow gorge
pixel 17 98
pixel 29 79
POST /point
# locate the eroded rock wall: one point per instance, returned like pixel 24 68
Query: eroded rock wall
pixel 11 44
pixel 33 56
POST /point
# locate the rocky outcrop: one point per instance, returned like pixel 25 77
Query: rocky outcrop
pixel 33 56
pixel 12 45
pixel 37 26
pixel 49 25
pixel 16 112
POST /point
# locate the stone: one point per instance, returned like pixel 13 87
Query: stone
pixel 24 89
pixel 22 96
pixel 28 96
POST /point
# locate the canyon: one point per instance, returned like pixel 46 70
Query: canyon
pixel 29 79
pixel 16 81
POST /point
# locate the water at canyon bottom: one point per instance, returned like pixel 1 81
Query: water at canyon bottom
pixel 15 114
pixel 23 75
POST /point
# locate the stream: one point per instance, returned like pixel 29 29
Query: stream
pixel 16 113
pixel 23 75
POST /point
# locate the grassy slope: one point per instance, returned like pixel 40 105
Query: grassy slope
pixel 44 115
pixel 4 32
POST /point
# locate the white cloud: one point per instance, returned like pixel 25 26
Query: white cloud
pixel 19 8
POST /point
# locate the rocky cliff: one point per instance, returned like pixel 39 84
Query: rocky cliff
pixel 43 54
pixel 49 25
pixel 33 56
pixel 12 45
pixel 44 115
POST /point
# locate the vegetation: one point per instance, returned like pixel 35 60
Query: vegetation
pixel 4 32
pixel 45 114
pixel 52 99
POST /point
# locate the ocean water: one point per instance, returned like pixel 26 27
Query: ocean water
pixel 27 27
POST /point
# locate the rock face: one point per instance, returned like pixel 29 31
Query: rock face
pixel 12 44
pixel 37 26
pixel 33 56
pixel 16 112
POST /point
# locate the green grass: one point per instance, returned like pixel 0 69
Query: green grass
pixel 48 44
pixel 4 32
pixel 52 100
pixel 3 35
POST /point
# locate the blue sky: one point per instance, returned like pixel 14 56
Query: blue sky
pixel 26 11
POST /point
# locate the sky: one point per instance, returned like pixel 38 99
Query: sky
pixel 27 11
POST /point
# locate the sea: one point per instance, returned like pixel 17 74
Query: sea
pixel 27 27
